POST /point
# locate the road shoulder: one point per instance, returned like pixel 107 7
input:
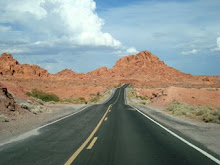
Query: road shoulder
pixel 207 134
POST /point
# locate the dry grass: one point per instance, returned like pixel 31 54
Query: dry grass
pixel 100 96
pixel 205 113
pixel 80 100
pixel 132 95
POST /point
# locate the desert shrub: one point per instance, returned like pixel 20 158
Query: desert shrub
pixel 143 97
pixel 43 95
pixel 51 102
pixel 205 113
pixel 4 118
pixel 80 100
pixel 131 93
pixel 28 93
pixel 143 102
pixel 95 97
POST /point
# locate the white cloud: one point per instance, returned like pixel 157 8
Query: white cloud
pixel 54 20
pixel 218 45
pixel 5 28
pixel 194 51
pixel 131 50
pixel 124 51
pixel 13 50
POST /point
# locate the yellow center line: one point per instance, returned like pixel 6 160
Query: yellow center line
pixel 106 118
pixel 73 157
pixel 92 143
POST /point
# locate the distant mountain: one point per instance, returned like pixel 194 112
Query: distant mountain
pixel 144 69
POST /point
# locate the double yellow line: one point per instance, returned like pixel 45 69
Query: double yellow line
pixel 73 157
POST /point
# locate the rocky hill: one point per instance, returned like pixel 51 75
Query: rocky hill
pixel 66 74
pixel 11 67
pixel 143 69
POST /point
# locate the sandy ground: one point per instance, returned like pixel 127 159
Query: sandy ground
pixel 162 97
pixel 30 121
pixel 206 134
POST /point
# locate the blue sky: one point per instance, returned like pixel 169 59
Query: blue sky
pixel 85 34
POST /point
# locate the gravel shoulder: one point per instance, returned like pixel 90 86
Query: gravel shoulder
pixel 205 134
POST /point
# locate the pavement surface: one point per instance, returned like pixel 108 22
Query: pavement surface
pixel 111 133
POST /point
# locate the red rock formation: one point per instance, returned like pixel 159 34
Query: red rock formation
pixel 11 67
pixel 66 73
pixel 144 64
pixel 98 72
pixel 143 69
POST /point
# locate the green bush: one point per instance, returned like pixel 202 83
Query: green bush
pixel 43 95
pixel 205 113
pixel 143 97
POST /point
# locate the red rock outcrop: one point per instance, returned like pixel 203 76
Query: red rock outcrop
pixel 11 67
pixel 66 73
pixel 141 70
pixel 98 72
pixel 144 64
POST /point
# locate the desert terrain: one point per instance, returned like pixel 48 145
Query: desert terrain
pixel 31 97
pixel 151 80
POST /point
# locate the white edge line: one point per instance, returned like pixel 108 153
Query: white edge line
pixel 180 138
pixel 125 98
pixel 113 92
pixel 117 97
pixel 62 118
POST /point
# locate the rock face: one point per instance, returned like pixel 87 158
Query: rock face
pixel 7 101
pixel 11 67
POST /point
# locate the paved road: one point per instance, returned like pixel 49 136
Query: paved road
pixel 107 134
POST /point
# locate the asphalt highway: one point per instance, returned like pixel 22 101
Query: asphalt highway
pixel 111 133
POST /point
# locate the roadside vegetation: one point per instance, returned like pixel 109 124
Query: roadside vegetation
pixel 80 100
pixel 95 97
pixel 205 113
pixel 47 97
pixel 99 96
pixel 133 97
pixel 3 118
pixel 41 97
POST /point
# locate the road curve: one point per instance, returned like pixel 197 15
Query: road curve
pixel 112 133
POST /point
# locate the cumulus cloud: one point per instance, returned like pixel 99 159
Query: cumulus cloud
pixel 193 51
pixel 55 21
pixel 218 45
pixel 131 50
